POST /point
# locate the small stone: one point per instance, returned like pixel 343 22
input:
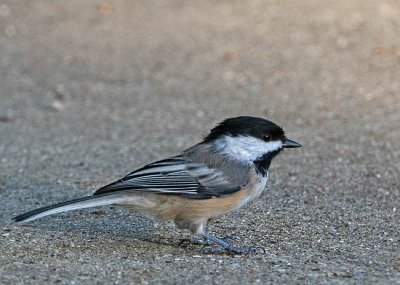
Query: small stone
pixel 57 105
pixel 105 8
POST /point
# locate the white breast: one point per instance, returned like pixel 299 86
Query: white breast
pixel 255 191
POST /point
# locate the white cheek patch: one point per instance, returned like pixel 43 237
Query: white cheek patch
pixel 246 148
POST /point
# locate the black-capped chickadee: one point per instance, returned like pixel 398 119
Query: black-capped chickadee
pixel 224 172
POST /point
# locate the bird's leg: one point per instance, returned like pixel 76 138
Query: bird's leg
pixel 225 247
pixel 210 243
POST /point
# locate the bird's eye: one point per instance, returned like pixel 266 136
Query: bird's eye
pixel 267 137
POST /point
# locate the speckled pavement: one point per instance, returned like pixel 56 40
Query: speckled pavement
pixel 90 90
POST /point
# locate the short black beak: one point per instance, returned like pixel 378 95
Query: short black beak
pixel 290 144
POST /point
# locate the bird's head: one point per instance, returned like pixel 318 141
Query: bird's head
pixel 249 139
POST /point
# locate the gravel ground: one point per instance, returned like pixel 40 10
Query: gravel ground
pixel 91 90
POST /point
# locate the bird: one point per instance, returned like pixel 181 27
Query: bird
pixel 222 173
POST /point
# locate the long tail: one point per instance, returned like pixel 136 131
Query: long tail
pixel 81 203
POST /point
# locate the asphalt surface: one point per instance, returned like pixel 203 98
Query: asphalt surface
pixel 91 90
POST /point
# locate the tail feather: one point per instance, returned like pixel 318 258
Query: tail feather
pixel 81 203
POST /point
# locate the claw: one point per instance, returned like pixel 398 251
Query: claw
pixel 228 238
pixel 231 249
pixel 212 249
pixel 223 246
pixel 198 241
pixel 195 241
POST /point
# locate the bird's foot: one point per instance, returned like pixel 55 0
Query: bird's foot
pixel 228 238
pixel 206 242
pixel 219 245
pixel 231 249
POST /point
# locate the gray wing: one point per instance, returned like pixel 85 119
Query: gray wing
pixel 176 176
